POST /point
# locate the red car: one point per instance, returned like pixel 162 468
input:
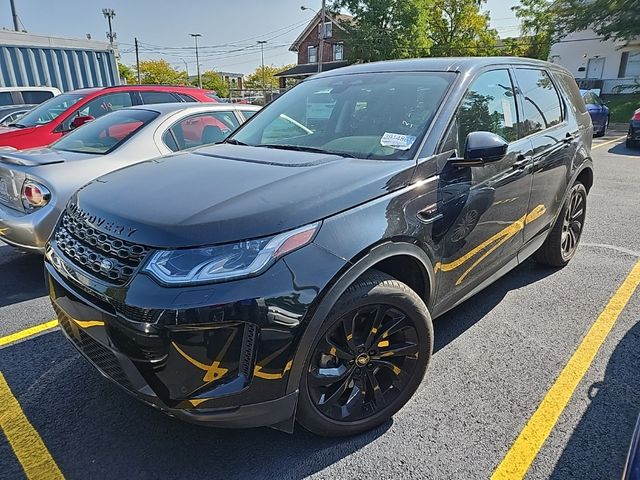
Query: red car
pixel 55 117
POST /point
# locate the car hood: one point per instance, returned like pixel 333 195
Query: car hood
pixel 228 193
pixel 39 156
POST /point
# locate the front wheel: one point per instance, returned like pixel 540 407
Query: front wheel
pixel 368 358
pixel 562 242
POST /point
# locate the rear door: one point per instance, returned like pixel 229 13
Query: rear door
pixel 484 207
pixel 554 134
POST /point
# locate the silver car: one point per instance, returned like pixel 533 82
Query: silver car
pixel 36 184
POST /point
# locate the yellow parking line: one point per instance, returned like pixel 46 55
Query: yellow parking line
pixel 28 332
pixel 24 439
pixel 526 447
pixel 608 143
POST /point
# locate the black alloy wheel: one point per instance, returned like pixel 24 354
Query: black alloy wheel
pixel 368 359
pixel 573 222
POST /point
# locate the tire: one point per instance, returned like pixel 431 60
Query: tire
pixel 602 132
pixel 366 387
pixel 555 251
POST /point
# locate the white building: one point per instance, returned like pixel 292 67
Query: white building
pixel 587 56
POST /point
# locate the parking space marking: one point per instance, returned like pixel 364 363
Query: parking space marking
pixel 28 332
pixel 524 450
pixel 608 143
pixel 25 441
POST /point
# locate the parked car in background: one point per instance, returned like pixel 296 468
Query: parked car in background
pixel 599 112
pixel 633 137
pixel 11 113
pixel 54 118
pixel 36 184
pixel 26 95
pixel 292 272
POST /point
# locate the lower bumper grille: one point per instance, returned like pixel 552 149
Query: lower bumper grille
pixel 100 355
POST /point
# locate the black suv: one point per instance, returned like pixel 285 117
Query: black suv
pixel 293 272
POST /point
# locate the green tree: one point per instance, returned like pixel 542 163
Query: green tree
pixel 127 73
pixel 254 80
pixel 514 47
pixel 160 71
pixel 619 19
pixel 538 20
pixel 458 28
pixel 384 29
pixel 213 81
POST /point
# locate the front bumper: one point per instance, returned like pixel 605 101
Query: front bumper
pixel 219 355
pixel 27 231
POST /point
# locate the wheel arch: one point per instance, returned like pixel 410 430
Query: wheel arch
pixel 380 255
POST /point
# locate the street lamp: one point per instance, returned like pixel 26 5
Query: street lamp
pixel 323 13
pixel 109 13
pixel 264 82
pixel 195 36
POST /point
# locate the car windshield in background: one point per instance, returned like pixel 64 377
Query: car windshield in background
pixel 49 110
pixel 373 115
pixel 105 134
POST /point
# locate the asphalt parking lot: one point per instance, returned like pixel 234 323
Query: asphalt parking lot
pixel 496 357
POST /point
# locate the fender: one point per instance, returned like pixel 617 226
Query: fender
pixel 587 164
pixel 339 286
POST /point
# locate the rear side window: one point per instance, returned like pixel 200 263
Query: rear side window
pixel 542 107
pixel 5 98
pixel 248 113
pixel 35 96
pixel 489 105
pixel 186 98
pixel 571 90
pixel 157 97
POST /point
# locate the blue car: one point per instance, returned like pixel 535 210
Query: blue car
pixel 599 112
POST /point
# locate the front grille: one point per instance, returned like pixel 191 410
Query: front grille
pixel 97 253
pixel 100 355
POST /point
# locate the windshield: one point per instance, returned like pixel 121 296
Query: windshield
pixel 105 134
pixel 49 110
pixel 373 115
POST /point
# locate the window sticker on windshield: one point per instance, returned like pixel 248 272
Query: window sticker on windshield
pixel 397 141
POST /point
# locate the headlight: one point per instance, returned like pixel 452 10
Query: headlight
pixel 226 262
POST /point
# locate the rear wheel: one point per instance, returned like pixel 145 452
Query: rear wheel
pixel 562 242
pixel 368 358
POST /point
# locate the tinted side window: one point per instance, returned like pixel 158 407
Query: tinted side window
pixel 32 96
pixel 248 113
pixel 489 105
pixel 186 98
pixel 5 98
pixel 100 106
pixel 542 108
pixel 571 90
pixel 158 97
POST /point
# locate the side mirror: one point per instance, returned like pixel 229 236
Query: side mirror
pixel 81 120
pixel 481 148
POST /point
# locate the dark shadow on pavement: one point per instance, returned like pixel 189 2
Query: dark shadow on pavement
pixel 598 446
pixel 21 276
pixel 621 149
pixel 94 430
pixel 457 321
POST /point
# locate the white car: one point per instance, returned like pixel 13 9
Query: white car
pixel 26 95
pixel 36 184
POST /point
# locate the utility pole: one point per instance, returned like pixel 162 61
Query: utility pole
pixel 186 67
pixel 323 19
pixel 135 40
pixel 14 14
pixel 195 36
pixel 264 80
pixel 109 13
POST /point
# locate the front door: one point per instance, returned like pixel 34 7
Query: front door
pixel 595 67
pixel 484 208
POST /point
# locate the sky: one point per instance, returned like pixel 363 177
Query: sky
pixel 229 29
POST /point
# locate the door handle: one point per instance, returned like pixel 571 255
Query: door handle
pixel 569 138
pixel 522 162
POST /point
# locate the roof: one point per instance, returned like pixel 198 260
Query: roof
pixel 24 39
pixel 441 64
pixel 307 69
pixel 157 87
pixel 335 19
pixel 163 108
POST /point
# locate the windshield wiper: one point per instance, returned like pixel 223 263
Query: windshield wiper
pixel 301 148
pixel 17 125
pixel 233 141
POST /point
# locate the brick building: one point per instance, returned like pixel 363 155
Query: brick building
pixel 308 43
